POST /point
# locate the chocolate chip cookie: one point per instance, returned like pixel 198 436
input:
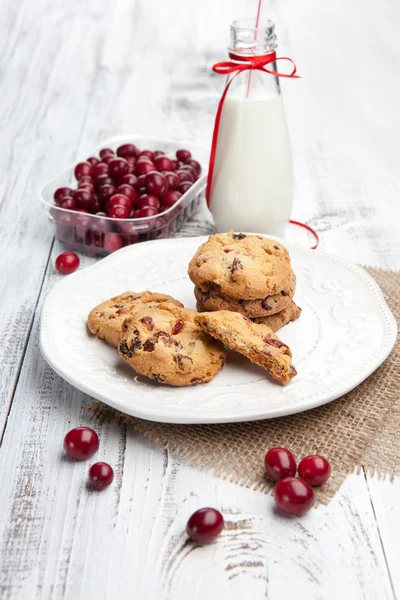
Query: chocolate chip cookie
pixel 106 319
pixel 165 343
pixel 243 266
pixel 258 342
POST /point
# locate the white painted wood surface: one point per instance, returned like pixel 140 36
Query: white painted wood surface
pixel 74 73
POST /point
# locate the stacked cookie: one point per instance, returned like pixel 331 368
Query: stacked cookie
pixel 247 274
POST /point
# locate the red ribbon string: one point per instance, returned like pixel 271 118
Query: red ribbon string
pixel 310 229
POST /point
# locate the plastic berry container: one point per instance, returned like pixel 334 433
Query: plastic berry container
pixel 96 235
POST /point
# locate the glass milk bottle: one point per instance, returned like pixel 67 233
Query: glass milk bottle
pixel 252 183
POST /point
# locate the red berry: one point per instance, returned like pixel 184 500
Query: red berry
pixel 175 164
pixel 117 211
pixel 108 158
pixel 129 179
pixel 101 475
pixel 84 168
pixel 315 469
pixel 148 153
pixel 183 155
pixel 196 166
pixel 173 180
pixel 185 175
pixel 205 525
pixel 86 186
pixel 103 180
pixel 127 150
pixel 131 164
pixel 112 241
pixel 68 203
pixel 279 463
pixel 158 153
pixel 61 193
pixel 127 190
pixel 95 206
pixel 67 262
pixel 93 160
pixel 163 163
pixel 147 211
pixel 83 197
pixel 120 200
pixel 144 158
pixel 140 183
pixel 106 152
pixel 294 496
pixel 99 169
pixel 118 167
pixel 105 192
pixel 143 167
pixel 184 187
pixel 85 179
pixel 171 198
pixel 147 200
pixel 81 443
pixel 156 184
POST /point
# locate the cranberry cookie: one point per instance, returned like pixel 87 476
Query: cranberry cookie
pixel 165 343
pixel 280 319
pixel 257 342
pixel 106 319
pixel 243 266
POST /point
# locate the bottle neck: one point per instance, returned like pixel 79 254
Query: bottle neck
pixel 248 40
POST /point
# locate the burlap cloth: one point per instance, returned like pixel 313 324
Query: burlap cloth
pixel 359 430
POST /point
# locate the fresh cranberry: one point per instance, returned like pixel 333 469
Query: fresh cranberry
pixel 294 496
pixel 171 198
pixel 86 186
pixel 189 169
pixel 61 193
pixel 106 152
pixel 101 475
pixel 163 163
pixel 108 158
pixel 185 175
pixel 103 180
pixel 112 241
pixel 99 169
pixel 117 211
pixel 127 150
pixel 147 211
pixel 196 166
pixel 205 525
pixel 129 179
pixel 67 263
pixel 147 200
pixel 175 164
pixel 140 182
pixel 156 184
pixel 184 187
pixel 85 179
pixel 81 443
pixel 144 158
pixel 148 153
pixel 92 160
pixel 158 153
pixel 117 168
pixel 95 206
pixel 83 168
pixel 279 463
pixel 120 200
pixel 127 190
pixel 183 155
pixel 105 192
pixel 131 164
pixel 143 167
pixel 84 198
pixel 173 180
pixel 315 469
pixel 69 203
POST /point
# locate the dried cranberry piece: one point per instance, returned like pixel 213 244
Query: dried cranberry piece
pixel 178 326
pixel 238 236
pixel 148 321
pixel 227 250
pixel 148 346
pixel 275 343
pixel 277 247
pixel 236 264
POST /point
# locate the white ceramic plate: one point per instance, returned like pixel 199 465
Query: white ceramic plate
pixel 345 332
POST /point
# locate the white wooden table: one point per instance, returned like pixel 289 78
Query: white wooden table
pixel 72 74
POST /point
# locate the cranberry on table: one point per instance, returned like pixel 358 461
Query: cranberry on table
pixel 106 152
pixel 171 198
pixel 61 193
pixel 163 163
pixel 121 200
pixel 81 443
pixel 173 180
pixel 69 203
pixel 315 469
pixel 183 155
pixel 100 169
pixel 294 496
pixel 92 160
pixel 279 463
pixel 147 211
pixel 156 184
pixel 147 200
pixel 184 187
pixel 67 262
pixel 127 150
pixel 112 241
pixel 101 475
pixel 81 169
pixel 118 167
pixel 143 167
pixel 119 212
pixel 185 175
pixel 148 153
pixel 129 179
pixel 127 190
pixel 105 192
pixel 205 525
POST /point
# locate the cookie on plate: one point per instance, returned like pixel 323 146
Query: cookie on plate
pixel 105 320
pixel 213 299
pixel 242 266
pixel 257 342
pixel 165 343
pixel 280 319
